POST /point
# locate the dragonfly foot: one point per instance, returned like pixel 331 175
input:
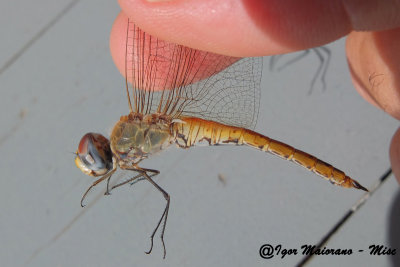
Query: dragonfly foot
pixel 151 247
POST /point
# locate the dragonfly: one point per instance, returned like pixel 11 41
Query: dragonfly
pixel 184 96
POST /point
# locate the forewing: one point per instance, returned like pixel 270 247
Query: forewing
pixel 179 81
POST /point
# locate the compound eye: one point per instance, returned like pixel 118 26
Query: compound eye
pixel 94 156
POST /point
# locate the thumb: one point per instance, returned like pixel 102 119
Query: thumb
pixel 395 154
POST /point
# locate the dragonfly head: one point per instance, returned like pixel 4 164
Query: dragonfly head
pixel 94 156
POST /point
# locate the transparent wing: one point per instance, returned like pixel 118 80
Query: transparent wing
pixel 179 81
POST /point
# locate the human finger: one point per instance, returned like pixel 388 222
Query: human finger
pixel 153 64
pixel 395 154
pixel 259 27
pixel 373 59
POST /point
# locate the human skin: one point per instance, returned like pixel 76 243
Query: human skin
pixel 243 28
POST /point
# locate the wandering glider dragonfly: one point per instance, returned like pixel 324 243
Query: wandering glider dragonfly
pixel 184 96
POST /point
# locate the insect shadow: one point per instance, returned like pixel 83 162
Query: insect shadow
pixel 281 62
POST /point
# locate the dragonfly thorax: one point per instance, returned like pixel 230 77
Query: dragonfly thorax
pixel 135 137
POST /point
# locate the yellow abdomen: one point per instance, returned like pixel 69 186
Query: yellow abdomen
pixel 190 131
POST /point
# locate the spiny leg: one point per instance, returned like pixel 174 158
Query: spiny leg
pixel 164 216
pixel 106 176
pixel 136 178
pixel 108 186
pixel 132 180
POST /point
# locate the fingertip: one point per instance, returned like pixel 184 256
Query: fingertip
pixel 118 41
pixel 357 48
pixel 373 15
pixel 132 49
pixel 241 28
pixel 373 60
pixel 394 154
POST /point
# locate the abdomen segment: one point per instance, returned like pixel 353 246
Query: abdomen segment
pixel 193 130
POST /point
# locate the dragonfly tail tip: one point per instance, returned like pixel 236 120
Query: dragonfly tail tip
pixel 359 186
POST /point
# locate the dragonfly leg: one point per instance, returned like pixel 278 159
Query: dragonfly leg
pixel 154 173
pixel 143 174
pixel 108 186
pixel 106 176
pixel 164 216
pixel 132 180
pixel 136 178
